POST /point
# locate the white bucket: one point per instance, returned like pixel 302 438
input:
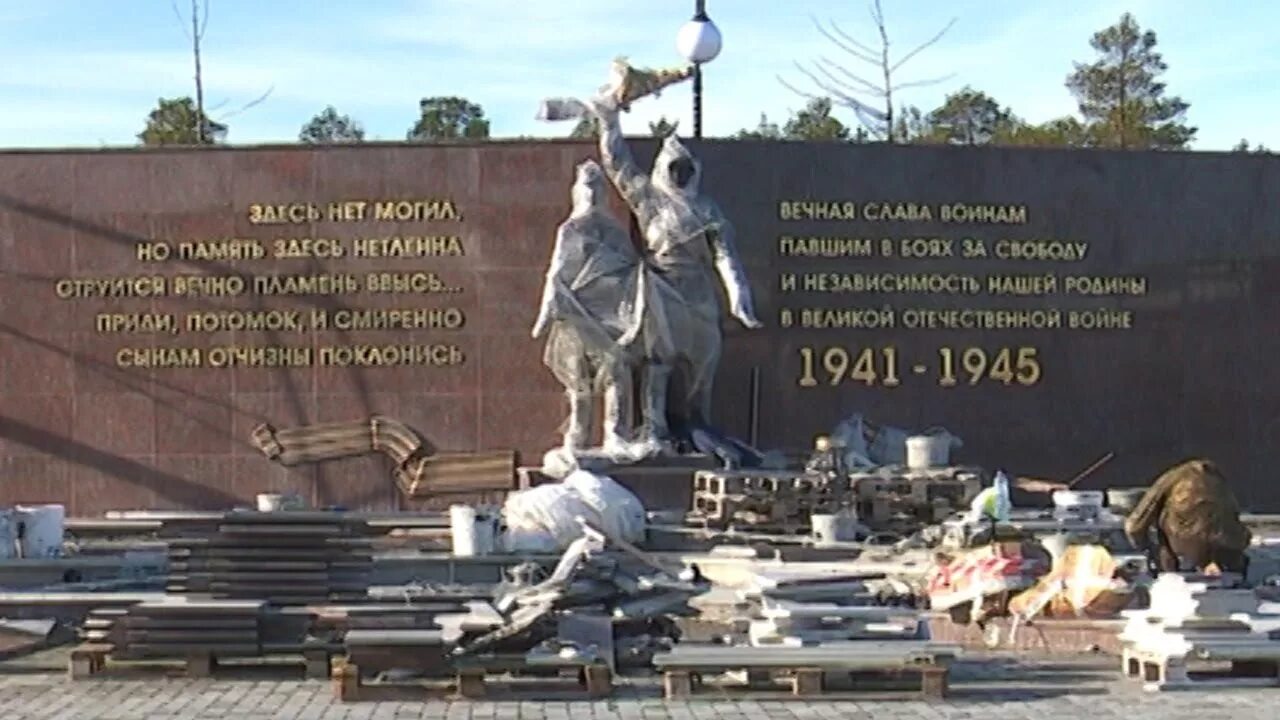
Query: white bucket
pixel 825 529
pixel 8 534
pixel 270 502
pixel 472 532
pixel 928 451
pixel 43 527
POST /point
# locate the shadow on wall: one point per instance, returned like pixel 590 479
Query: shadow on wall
pixel 173 488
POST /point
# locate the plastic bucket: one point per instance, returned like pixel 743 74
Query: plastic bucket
pixel 928 451
pixel 472 533
pixel 43 530
pixel 825 529
pixel 270 502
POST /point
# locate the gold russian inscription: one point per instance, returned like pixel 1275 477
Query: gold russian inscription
pixel 414 210
pixel 410 282
pixel 897 212
pixel 987 214
pixel 347 211
pixel 245 320
pixel 817 210
pixel 889 283
pixel 1041 250
pixel 283 214
pixel 1022 284
pixel 407 246
pixel 926 247
pixel 119 287
pixel 222 250
pixel 270 356
pixel 207 286
pixel 1100 319
pixel 825 247
pixel 1114 285
pixel 389 355
pixel 449 318
pixel 152 251
pixel 846 318
pixel 304 248
pixel 332 284
pixel 135 323
pixel 886 367
pixel 968 319
pixel 157 357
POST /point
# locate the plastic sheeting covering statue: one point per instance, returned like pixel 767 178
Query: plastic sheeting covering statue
pixel 689 245
pixel 587 313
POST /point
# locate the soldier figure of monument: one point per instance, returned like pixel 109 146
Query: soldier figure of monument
pixel 588 305
pixel 689 245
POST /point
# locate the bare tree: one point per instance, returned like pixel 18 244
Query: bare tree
pixel 199 23
pixel 847 87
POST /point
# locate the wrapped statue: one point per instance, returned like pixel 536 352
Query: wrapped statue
pixel 689 245
pixel 626 85
pixel 588 307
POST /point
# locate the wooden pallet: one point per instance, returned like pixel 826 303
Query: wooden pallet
pixel 90 659
pixel 471 683
pixel 1158 672
pixel 808 673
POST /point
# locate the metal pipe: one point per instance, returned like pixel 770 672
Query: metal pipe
pixel 697 100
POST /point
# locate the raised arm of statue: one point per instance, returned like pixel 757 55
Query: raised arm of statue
pixel 732 276
pixel 620 165
pixel 551 288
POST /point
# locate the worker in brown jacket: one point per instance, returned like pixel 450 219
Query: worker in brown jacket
pixel 1196 518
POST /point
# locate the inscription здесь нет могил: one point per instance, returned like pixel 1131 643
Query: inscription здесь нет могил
pixel 224 281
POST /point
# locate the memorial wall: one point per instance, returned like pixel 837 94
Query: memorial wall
pixel 1046 306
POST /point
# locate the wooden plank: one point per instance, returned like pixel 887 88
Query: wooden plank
pixel 393 638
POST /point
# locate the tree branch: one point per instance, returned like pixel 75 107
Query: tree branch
pixel 182 22
pixel 870 86
pixel 924 45
pixel 204 21
pixel 923 83
pixel 874 91
pixel 850 46
pixel 252 103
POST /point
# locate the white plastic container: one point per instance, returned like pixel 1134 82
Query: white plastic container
pixel 43 529
pixel 825 529
pixel 928 451
pixel 270 502
pixel 8 534
pixel 473 532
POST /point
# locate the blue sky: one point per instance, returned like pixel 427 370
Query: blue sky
pixel 86 72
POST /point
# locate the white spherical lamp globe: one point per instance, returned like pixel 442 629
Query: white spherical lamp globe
pixel 698 41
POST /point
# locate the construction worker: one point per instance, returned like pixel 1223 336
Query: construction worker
pixel 1196 519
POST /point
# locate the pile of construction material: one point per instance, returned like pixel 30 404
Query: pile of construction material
pixel 885 499
pixel 902 499
pixel 1200 621
pixel 617 605
pixel 815 630
pixel 283 558
pixel 765 500
pixel 599 609
pixel 787 610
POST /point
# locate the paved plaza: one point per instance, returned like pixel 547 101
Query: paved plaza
pixel 984 690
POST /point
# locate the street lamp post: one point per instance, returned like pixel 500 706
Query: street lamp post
pixel 699 42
